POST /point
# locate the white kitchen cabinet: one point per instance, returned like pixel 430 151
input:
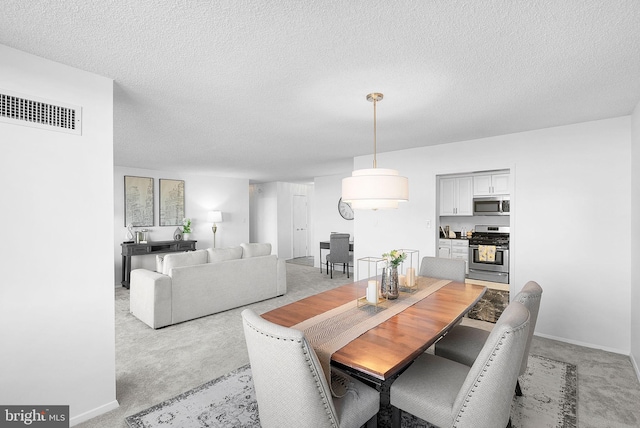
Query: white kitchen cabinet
pixel 460 251
pixel 456 196
pixel 454 249
pixel 491 184
pixel 444 248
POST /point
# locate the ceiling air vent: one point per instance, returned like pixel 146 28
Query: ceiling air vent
pixel 39 113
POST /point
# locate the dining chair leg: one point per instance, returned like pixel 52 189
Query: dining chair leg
pixel 396 416
pixel 332 267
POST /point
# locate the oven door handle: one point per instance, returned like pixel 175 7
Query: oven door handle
pixel 498 247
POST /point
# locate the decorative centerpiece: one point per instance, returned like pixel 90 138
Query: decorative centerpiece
pixel 389 287
pixel 186 229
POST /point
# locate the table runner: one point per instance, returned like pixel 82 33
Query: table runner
pixel 334 329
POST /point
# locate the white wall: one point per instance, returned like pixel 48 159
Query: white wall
pixel 264 214
pixel 203 193
pixel 272 214
pixel 327 219
pixel 56 295
pixel 635 239
pixel 570 224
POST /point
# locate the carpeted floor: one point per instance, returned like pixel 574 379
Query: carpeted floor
pixel 154 365
pixel 304 261
pixel 549 400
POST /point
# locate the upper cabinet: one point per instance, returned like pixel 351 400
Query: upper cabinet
pixel 456 196
pixel 491 184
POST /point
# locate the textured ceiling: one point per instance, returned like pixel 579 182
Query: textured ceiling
pixel 275 90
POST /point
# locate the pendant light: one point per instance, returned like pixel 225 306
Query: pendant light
pixel 375 188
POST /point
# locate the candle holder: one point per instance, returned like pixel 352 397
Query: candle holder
pixel 409 271
pixel 372 268
pixel 362 301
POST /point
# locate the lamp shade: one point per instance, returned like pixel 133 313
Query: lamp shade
pixel 214 217
pixel 375 188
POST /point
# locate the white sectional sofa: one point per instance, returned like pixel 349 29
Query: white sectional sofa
pixel 203 282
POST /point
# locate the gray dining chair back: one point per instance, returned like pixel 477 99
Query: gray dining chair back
pixel 436 267
pixel 339 251
pixel 463 343
pixel 449 394
pixel 291 388
pixel 530 296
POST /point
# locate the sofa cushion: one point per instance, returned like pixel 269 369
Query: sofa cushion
pixel 189 258
pixel 255 250
pixel 224 254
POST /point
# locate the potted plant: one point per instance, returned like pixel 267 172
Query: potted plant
pixel 186 229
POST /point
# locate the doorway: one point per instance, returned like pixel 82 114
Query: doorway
pixel 300 226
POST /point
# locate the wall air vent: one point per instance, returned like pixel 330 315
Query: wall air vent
pixel 39 113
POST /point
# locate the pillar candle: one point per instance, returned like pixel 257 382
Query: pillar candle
pixel 372 292
pixel 411 277
pixel 402 280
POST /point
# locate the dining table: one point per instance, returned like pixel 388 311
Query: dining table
pixel 384 350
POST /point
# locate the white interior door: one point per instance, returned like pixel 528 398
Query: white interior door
pixel 299 226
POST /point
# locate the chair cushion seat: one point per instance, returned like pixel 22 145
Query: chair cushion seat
pixel 350 257
pixel 462 344
pixel 429 387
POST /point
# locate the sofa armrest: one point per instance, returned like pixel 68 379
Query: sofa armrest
pixel 281 277
pixel 150 297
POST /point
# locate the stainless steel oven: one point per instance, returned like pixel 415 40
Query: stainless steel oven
pixel 489 254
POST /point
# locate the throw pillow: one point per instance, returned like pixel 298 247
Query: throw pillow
pixel 190 258
pixel 255 250
pixel 224 254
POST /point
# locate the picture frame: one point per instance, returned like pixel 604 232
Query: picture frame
pixel 138 201
pixel 171 202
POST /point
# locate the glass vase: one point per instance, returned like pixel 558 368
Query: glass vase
pixel 389 283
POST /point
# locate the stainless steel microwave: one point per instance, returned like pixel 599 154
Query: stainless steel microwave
pixel 491 205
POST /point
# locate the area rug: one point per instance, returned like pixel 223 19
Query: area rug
pixel 549 400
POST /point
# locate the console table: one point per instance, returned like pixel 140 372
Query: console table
pixel 132 249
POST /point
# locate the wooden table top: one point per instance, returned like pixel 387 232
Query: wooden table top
pixel 386 349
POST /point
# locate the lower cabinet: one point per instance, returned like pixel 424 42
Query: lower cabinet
pixel 444 248
pixel 454 249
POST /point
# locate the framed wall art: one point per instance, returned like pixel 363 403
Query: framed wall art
pixel 138 201
pixel 171 202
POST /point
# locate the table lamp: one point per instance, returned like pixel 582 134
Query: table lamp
pixel 214 217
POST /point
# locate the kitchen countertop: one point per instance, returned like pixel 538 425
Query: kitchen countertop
pixel 458 237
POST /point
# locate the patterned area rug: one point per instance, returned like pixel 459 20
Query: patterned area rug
pixel 549 400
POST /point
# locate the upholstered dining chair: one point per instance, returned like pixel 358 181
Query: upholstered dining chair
pixel 436 267
pixel 463 343
pixel 449 394
pixel 291 388
pixel 339 252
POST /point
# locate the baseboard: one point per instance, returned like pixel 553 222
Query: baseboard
pixel 586 345
pixel 93 413
pixel 635 366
